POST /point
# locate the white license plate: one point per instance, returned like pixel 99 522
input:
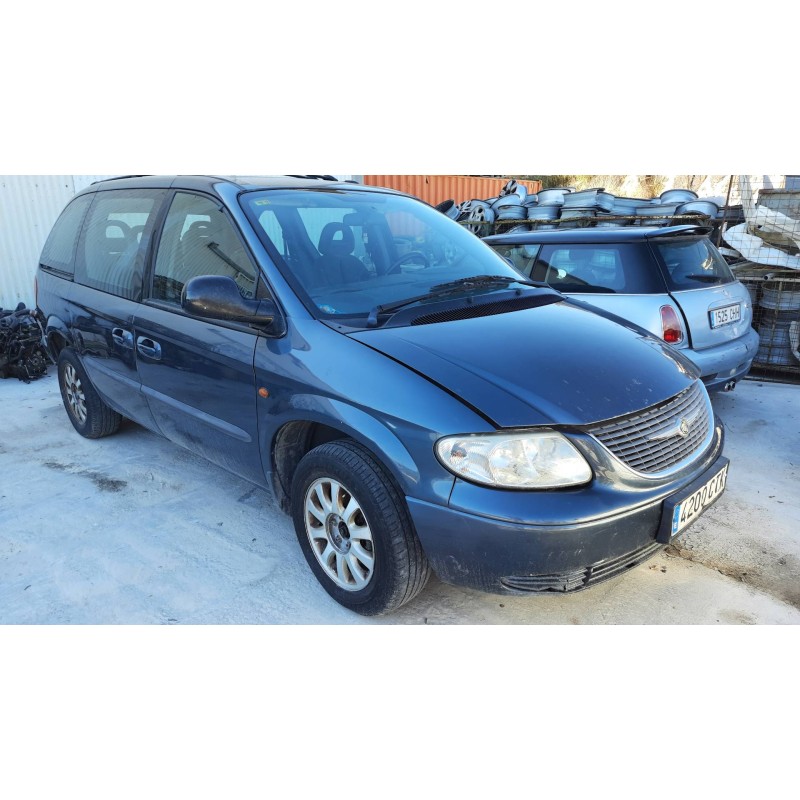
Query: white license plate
pixel 726 315
pixel 694 505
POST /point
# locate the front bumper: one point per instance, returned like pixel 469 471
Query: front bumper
pixel 504 556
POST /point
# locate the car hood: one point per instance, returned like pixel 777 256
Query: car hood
pixel 559 364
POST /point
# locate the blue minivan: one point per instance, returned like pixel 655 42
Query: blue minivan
pixel 413 401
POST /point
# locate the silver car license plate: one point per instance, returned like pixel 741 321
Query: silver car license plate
pixel 725 315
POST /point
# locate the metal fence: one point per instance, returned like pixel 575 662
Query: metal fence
pixel 760 238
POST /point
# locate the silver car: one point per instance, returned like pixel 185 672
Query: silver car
pixel 671 281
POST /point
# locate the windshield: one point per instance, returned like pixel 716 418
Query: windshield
pixel 693 263
pixel 350 251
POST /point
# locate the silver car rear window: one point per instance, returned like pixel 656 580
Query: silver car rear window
pixel 693 263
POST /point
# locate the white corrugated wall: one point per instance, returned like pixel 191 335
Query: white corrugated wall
pixel 29 205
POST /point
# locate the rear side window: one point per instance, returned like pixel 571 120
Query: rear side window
pixel 693 263
pixel 59 249
pixel 111 251
pixel 198 239
pixel 615 268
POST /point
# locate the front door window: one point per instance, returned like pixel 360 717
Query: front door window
pixel 198 239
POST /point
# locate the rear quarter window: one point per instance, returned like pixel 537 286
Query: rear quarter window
pixel 59 249
pixel 693 264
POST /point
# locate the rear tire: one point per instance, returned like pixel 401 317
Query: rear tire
pixel 355 531
pixel 87 412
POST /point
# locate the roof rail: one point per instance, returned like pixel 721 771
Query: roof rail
pixel 119 178
pixel 316 177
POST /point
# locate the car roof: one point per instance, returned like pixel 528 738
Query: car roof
pixel 209 183
pixel 597 235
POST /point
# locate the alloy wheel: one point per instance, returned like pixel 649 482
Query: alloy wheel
pixel 339 534
pixel 75 396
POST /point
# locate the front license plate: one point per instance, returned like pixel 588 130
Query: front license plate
pixel 726 315
pixel 682 510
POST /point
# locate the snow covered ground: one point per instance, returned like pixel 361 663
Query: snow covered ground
pixel 132 529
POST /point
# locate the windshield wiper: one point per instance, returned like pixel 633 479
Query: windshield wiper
pixel 446 289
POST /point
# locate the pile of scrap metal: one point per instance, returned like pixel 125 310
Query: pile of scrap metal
pixel 22 353
pixel 515 210
pixel 770 231
pixel 766 258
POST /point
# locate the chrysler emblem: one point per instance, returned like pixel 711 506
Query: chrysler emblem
pixel 681 429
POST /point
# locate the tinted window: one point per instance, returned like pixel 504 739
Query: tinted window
pixel 198 239
pixel 109 255
pixel 693 263
pixel 59 249
pixel 599 268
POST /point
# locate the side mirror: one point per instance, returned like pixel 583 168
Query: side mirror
pixel 218 297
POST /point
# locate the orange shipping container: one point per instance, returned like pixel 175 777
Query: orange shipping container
pixel 435 189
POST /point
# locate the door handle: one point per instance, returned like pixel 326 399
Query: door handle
pixel 149 348
pixel 122 337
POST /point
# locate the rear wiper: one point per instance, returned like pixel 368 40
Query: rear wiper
pixel 451 287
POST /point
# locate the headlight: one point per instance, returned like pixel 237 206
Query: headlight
pixel 535 460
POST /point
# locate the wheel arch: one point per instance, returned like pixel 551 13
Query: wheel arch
pixel 296 437
pixel 57 337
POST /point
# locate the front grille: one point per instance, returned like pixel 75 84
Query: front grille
pixel 657 439
pixel 579 579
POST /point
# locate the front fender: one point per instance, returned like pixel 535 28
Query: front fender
pixel 413 467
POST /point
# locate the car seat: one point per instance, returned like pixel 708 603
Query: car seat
pixel 337 264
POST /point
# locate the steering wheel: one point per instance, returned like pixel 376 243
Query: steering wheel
pixel 410 256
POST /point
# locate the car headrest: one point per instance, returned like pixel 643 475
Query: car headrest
pixel 336 239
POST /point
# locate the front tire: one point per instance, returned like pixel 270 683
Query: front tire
pixel 87 412
pixel 355 531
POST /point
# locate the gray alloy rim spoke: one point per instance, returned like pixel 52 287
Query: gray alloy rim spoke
pixel 349 512
pixel 319 515
pixel 327 553
pixel 343 572
pixel 361 533
pixel 335 492
pixel 323 501
pixel 365 558
pixel 359 571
